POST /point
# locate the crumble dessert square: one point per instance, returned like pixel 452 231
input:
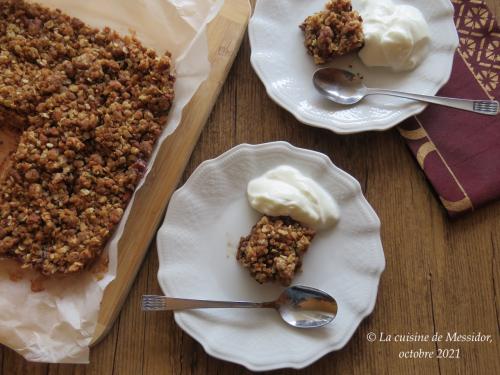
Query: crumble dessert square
pixel 335 31
pixel 274 249
pixel 90 105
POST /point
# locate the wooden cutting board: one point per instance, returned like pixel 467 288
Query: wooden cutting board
pixel 225 34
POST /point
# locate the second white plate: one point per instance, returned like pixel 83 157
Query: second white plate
pixel 282 63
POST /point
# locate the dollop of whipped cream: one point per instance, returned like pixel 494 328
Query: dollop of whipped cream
pixel 284 191
pixel 396 36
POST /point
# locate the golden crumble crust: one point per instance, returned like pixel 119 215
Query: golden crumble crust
pixel 91 105
pixel 274 249
pixel 335 31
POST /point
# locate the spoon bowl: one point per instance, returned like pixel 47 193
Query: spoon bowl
pixel 305 307
pixel 340 86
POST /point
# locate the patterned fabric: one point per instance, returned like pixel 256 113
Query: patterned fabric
pixel 460 151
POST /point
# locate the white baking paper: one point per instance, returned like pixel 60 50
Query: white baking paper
pixel 57 323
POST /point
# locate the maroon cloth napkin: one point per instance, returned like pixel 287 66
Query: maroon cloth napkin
pixel 460 151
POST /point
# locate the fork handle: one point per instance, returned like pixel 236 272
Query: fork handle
pixel 485 107
pixel 169 303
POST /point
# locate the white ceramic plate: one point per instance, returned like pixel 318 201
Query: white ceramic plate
pixel 282 63
pixel 197 247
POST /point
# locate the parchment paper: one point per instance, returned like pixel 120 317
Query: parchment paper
pixel 57 323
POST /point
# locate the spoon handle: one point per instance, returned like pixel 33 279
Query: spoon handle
pixel 485 107
pixel 162 303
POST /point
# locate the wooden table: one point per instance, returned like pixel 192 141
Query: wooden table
pixel 441 275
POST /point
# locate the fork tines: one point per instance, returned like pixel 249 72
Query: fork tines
pixel 485 106
pixel 153 303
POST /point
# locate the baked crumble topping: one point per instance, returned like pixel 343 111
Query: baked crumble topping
pixel 274 249
pixel 90 105
pixel 335 31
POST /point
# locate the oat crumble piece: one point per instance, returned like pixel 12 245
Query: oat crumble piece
pixel 90 105
pixel 274 249
pixel 335 31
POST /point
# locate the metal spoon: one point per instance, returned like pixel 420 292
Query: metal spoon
pixel 299 306
pixel 343 87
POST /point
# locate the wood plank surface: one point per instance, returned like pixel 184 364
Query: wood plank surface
pixel 441 276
